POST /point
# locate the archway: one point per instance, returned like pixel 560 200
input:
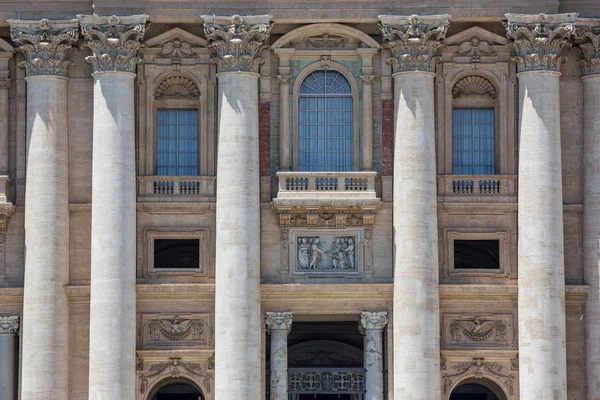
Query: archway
pixel 177 390
pixel 477 390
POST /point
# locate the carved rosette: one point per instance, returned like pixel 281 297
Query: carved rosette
pixel 9 324
pixel 538 39
pixel 373 320
pixel 414 41
pixel 238 41
pixel 278 321
pixel 587 35
pixel 114 41
pixel 45 44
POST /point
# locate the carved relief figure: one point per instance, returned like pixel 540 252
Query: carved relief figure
pixel 314 255
pixel 303 253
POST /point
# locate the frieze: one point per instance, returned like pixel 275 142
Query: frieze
pixel 538 39
pixel 168 330
pixel 587 35
pixel 478 331
pixel 415 41
pixel 45 44
pixel 114 41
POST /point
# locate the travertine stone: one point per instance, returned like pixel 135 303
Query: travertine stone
pixel 371 325
pixel 416 286
pixel 9 326
pixel 367 122
pixel 413 40
pixel 45 44
pixel 112 303
pixel 538 39
pixel 279 325
pixel 4 132
pixel 542 347
pixel 238 41
pixel 284 122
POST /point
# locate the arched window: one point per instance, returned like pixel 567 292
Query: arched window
pixel 325 126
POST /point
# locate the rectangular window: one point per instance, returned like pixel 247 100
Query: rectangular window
pixel 473 141
pixel 177 143
pixel 476 254
pixel 176 253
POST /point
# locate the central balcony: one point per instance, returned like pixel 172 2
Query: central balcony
pixel 176 188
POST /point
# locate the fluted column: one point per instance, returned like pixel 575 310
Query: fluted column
pixel 114 42
pixel 537 42
pixel 279 325
pixel 45 45
pixel 284 122
pixel 588 37
pixel 238 42
pixel 414 42
pixel 367 122
pixel 9 326
pixel 371 326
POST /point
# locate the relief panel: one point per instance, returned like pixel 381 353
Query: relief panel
pixel 478 331
pixel 174 330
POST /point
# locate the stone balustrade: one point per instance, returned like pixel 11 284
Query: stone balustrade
pixel 176 188
pixel 480 188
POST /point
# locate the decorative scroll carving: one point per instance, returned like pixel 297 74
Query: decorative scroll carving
pixel 474 85
pixel 114 41
pixel 367 79
pixel 278 321
pixel 477 329
pixel 475 48
pixel 5 83
pixel 325 62
pixel 284 79
pixel 177 87
pixel 587 35
pixel 9 324
pixel 175 368
pixel 478 368
pixel 45 45
pixel 414 40
pixel 373 320
pixel 238 41
pixel 326 253
pixel 211 361
pixel 176 329
pixel 538 39
pixel 177 50
pixel 325 41
pixel 514 363
pixel 139 362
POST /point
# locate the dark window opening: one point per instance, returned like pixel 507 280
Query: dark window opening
pixel 476 254
pixel 176 253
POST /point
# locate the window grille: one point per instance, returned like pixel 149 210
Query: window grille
pixel 177 144
pixel 473 141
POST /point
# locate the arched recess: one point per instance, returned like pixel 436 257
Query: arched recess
pixel 159 374
pixel 174 381
pixel 498 388
pixel 312 30
pixel 331 65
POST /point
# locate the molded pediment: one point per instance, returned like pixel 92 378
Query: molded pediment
pixel 326 35
pixel 480 33
pixel 177 34
pixel 5 46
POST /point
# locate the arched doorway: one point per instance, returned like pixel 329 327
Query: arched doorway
pixel 177 390
pixel 470 390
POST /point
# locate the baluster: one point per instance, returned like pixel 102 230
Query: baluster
pixel 498 186
pixel 453 186
pixel 335 183
pixel 154 187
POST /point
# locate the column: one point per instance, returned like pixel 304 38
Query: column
pixel 114 42
pixel 45 357
pixel 284 122
pixel 414 43
pixel 279 325
pixel 238 42
pixel 9 326
pixel 371 326
pixel 542 348
pixel 367 122
pixel 588 37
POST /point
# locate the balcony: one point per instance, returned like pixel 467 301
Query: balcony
pixel 477 188
pixel 176 188
pixel 326 381
pixel 326 189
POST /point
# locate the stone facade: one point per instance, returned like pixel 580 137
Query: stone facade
pixel 308 282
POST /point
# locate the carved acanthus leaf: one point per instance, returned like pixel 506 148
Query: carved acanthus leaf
pixel 474 85
pixel 9 324
pixel 177 86
pixel 538 40
pixel 238 41
pixel 373 320
pixel 587 35
pixel 278 321
pixel 414 40
pixel 114 41
pixel 45 45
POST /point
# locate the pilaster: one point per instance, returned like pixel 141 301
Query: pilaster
pixel 367 121
pixel 279 325
pixel 284 122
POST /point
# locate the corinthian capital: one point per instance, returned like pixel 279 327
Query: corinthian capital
pixel 114 41
pixel 373 320
pixel 587 35
pixel 45 45
pixel 413 40
pixel 9 324
pixel 538 39
pixel 237 41
pixel 279 321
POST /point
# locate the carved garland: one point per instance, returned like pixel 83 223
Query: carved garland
pixel 177 87
pixel 175 368
pixel 478 368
